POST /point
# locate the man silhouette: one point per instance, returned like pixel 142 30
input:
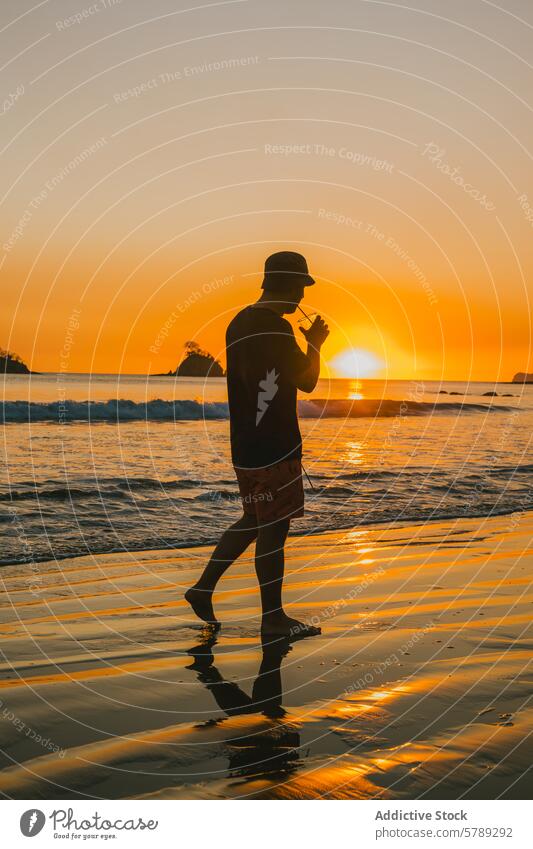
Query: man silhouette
pixel 265 368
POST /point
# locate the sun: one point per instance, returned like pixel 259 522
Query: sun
pixel 356 362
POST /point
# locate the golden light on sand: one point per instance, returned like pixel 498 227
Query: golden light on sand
pixel 380 695
pixel 356 362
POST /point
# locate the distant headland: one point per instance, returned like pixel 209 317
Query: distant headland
pixel 523 377
pixel 195 363
pixel 11 363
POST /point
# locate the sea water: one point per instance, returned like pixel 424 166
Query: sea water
pixel 99 463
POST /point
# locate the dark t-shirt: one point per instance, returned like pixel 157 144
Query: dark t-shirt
pixel 263 364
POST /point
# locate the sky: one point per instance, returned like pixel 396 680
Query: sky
pixel 154 154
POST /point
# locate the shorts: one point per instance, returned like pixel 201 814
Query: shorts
pixel 272 492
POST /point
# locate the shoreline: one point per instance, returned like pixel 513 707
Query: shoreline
pixel 386 524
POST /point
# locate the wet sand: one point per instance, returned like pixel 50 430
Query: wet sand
pixel 419 686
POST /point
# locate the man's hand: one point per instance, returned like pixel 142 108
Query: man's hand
pixel 317 334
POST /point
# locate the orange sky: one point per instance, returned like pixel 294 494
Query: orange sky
pixel 152 159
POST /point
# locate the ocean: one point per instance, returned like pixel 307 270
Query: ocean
pixel 103 463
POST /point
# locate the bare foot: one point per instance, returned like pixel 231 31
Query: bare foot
pixel 285 626
pixel 201 602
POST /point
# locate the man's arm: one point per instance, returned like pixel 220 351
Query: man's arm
pixel 316 335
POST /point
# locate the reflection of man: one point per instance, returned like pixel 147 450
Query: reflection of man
pixel 273 748
pixel 265 367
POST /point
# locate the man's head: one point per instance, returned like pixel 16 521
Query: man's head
pixel 286 275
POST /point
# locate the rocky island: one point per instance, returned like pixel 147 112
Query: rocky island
pixel 523 377
pixel 196 363
pixel 12 364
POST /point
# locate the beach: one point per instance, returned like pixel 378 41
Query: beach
pixel 418 687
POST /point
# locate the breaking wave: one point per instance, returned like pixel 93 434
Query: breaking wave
pixel 123 410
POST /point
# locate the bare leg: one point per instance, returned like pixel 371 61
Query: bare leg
pixel 233 542
pixel 270 568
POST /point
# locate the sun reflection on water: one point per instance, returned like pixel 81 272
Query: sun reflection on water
pixel 354 453
pixel 355 391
